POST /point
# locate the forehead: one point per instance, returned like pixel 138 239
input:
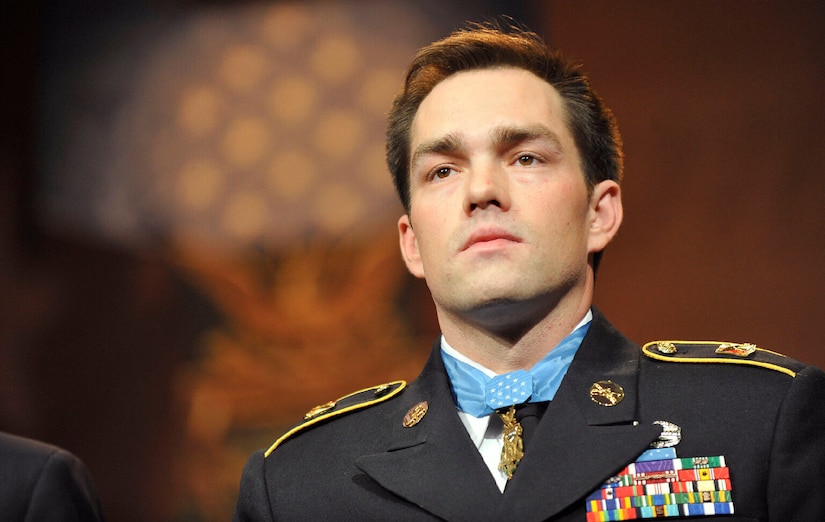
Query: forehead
pixel 473 102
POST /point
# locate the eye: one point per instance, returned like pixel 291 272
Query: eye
pixel 527 160
pixel 442 172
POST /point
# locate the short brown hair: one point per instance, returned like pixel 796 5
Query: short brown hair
pixel 491 45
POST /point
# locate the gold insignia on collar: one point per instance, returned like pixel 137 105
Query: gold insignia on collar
pixel 606 393
pixel 739 350
pixel 415 414
pixel 318 410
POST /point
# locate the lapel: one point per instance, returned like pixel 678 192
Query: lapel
pixel 434 464
pixel 582 443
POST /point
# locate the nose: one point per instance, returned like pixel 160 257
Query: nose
pixel 486 186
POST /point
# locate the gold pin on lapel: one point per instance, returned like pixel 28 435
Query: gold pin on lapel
pixel 606 393
pixel 415 414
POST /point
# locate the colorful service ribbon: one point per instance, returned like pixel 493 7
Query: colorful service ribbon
pixel 697 486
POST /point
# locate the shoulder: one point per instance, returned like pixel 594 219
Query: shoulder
pixel 36 456
pixel 24 451
pixel 45 481
pixel 325 413
pixel 722 353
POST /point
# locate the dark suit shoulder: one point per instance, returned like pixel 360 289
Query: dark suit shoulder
pixel 719 352
pixel 39 481
pixel 348 403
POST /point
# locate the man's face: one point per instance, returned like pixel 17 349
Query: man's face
pixel 500 212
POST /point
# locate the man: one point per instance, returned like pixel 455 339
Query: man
pixel 40 482
pixel 508 166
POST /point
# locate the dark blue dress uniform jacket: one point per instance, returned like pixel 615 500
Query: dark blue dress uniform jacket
pixel 366 465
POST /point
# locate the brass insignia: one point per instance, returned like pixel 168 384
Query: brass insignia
pixel 382 390
pixel 318 410
pixel 606 393
pixel 739 350
pixel 666 348
pixel 415 414
pixel 671 435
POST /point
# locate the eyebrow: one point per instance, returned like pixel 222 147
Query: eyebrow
pixel 503 137
pixel 443 145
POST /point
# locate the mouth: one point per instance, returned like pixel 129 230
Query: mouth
pixel 489 237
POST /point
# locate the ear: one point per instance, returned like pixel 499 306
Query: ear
pixel 605 215
pixel 409 247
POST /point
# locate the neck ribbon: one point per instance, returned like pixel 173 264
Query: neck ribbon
pixel 480 394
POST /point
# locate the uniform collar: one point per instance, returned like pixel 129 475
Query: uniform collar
pixel 469 379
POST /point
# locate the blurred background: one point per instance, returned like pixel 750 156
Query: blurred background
pixel 197 229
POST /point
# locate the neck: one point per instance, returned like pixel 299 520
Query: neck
pixel 504 346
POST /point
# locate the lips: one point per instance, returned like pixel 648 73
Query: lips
pixel 483 236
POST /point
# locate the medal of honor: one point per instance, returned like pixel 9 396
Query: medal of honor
pixel 513 449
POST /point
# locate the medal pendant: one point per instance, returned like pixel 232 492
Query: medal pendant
pixel 513 449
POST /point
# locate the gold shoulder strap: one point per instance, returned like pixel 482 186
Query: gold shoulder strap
pixel 354 401
pixel 717 352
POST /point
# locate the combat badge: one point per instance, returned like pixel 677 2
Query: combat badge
pixel 671 435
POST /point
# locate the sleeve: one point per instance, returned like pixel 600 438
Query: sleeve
pixel 797 466
pixel 64 492
pixel 253 497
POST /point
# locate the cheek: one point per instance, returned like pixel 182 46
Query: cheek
pixel 562 225
pixel 560 205
pixel 428 245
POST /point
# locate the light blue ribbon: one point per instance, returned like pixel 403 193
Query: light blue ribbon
pixel 480 395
